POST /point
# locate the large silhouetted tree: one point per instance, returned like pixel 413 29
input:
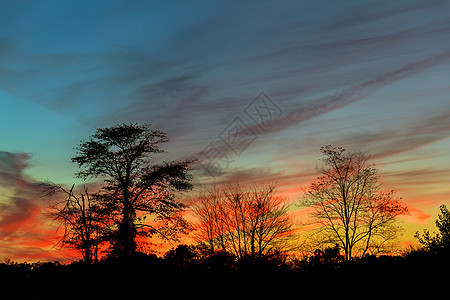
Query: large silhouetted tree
pixel 137 193
pixel 348 206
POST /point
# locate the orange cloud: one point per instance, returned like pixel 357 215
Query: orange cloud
pixel 416 216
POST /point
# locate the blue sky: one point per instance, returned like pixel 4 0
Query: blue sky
pixel 367 75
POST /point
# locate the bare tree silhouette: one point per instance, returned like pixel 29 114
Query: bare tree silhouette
pixel 245 221
pixel 82 218
pixel 348 207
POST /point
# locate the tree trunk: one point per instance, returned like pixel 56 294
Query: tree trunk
pixel 87 253
pixel 126 241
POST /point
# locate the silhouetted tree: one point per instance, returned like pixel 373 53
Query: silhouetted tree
pixel 82 219
pixel 440 242
pixel 323 260
pixel 181 256
pixel 247 222
pixel 211 216
pixel 138 193
pixel 348 207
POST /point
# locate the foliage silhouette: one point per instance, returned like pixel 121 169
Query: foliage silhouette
pixel 440 242
pixel 182 257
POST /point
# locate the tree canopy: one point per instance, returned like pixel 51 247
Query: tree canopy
pixel 138 193
pixel 349 208
pixel 440 241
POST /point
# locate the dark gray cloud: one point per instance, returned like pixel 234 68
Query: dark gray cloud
pixel 229 52
pixel 417 134
pixel 22 201
pixel 411 136
pixel 12 166
pixel 352 94
pixel 25 233
pixel 191 72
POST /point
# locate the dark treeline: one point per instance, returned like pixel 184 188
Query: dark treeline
pixel 186 266
pixel 194 259
pixel 187 269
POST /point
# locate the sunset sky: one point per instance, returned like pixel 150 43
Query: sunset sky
pixel 288 76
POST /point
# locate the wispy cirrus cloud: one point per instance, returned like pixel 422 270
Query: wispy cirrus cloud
pixel 352 94
pixel 218 49
pixel 419 134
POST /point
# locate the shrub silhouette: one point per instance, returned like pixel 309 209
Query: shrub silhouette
pixel 440 242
